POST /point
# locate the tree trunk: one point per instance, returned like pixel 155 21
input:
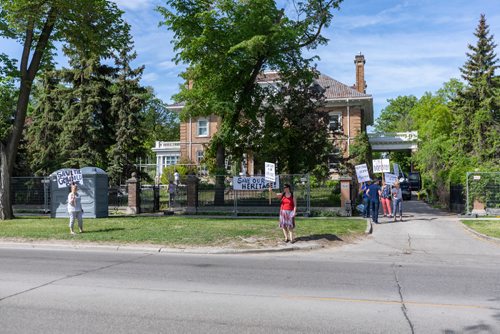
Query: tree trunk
pixel 219 178
pixel 5 172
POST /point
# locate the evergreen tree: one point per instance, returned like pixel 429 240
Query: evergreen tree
pixel 126 107
pixel 476 108
pixel 45 126
pixel 87 125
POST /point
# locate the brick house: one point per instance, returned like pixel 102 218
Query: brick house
pixel 349 107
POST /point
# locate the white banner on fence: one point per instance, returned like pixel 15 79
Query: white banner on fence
pixel 254 183
pixel 270 172
pixel 362 173
pixel 381 166
pixel 66 177
pixel 390 179
pixel 396 169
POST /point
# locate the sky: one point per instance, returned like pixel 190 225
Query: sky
pixel 411 47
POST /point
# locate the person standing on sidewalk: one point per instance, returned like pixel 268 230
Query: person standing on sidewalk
pixel 75 209
pixel 385 197
pixel 397 201
pixel 374 191
pixel 288 210
pixel 366 199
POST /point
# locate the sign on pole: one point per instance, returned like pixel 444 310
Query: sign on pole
pixel 68 176
pixel 390 179
pixel 396 169
pixel 362 173
pixel 270 172
pixel 381 166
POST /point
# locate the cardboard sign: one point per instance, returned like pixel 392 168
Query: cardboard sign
pixel 390 179
pixel 381 166
pixel 254 183
pixel 270 172
pixel 66 177
pixel 362 173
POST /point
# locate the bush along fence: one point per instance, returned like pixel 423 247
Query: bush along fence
pixel 236 195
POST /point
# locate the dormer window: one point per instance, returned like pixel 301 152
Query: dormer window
pixel 202 128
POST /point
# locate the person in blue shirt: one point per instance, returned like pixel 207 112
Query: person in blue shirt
pixel 366 200
pixel 374 191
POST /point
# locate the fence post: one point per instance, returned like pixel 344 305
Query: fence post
pixel 467 187
pixel 134 195
pixel 192 194
pixel 308 192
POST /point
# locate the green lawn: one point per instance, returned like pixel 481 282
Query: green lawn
pixel 180 231
pixel 487 227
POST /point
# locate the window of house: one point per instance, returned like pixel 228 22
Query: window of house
pixel 202 128
pixel 199 156
pixel 170 160
pixel 335 124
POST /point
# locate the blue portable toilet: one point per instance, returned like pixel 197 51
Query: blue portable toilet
pixel 94 193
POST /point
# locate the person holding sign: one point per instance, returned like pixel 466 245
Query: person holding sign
pixel 288 210
pixel 385 197
pixel 374 191
pixel 75 209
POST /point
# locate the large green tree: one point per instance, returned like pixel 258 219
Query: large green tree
pixel 226 44
pixel 477 107
pixel 93 25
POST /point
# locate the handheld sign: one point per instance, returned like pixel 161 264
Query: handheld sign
pixel 390 179
pixel 381 166
pixel 270 175
pixel 362 173
pixel 68 176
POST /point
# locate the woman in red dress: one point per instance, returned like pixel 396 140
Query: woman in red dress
pixel 288 211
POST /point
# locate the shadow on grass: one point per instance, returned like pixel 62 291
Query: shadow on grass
pixel 111 229
pixel 329 237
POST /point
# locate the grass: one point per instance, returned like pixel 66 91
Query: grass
pixel 487 227
pixel 179 231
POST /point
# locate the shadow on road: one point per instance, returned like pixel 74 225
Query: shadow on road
pixel 314 237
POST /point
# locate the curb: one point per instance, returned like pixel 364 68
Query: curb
pixel 480 235
pixel 369 226
pixel 94 247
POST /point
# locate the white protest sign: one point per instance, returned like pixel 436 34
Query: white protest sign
pixel 270 173
pixel 390 179
pixel 396 168
pixel 66 177
pixel 362 173
pixel 381 166
pixel 254 183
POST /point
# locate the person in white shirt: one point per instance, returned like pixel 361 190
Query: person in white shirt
pixel 75 209
pixel 397 201
pixel 176 178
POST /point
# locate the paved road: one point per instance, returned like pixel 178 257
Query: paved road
pixel 425 275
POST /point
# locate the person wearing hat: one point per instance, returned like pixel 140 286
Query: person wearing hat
pixel 288 210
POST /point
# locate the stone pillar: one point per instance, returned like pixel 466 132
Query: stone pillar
pixel 192 193
pixel 134 195
pixel 345 191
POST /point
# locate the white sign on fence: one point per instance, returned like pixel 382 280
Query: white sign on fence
pixel 362 173
pixel 254 183
pixel 390 179
pixel 270 173
pixel 381 166
pixel 66 177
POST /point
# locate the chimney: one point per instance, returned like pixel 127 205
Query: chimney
pixel 359 60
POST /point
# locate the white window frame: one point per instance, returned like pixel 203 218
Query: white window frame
pixel 207 127
pixel 339 117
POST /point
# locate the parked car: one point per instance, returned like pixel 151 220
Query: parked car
pixel 405 186
pixel 415 181
pixel 405 189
